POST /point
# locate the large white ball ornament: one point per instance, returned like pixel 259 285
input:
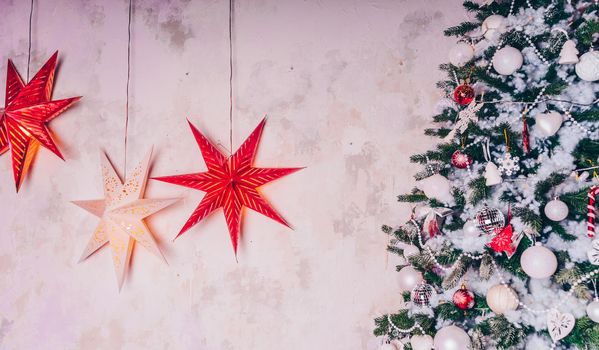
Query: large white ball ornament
pixel 556 210
pixel 593 311
pixel 493 26
pixel 436 186
pixel 421 342
pixel 538 261
pixel 588 66
pixel 408 278
pixel 471 229
pixel 548 123
pixel 501 300
pixel 451 338
pixel 460 54
pixel 507 60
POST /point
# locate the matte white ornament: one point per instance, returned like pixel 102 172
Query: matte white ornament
pixel 569 53
pixel 492 174
pixel 559 324
pixel 593 311
pixel 408 278
pixel 556 210
pixel 410 250
pixel 588 66
pixel 471 229
pixel 493 26
pixel 507 60
pixel 421 342
pixel 593 253
pixel 538 261
pixel 451 338
pixel 548 123
pixel 436 186
pixel 460 54
pixel 500 299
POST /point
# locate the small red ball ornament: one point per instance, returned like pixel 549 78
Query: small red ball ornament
pixel 463 94
pixel 460 159
pixel 463 298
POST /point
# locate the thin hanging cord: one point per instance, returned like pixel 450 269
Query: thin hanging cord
pixel 231 75
pixel 128 78
pixel 29 49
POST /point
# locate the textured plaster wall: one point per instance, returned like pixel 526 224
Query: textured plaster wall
pixel 348 86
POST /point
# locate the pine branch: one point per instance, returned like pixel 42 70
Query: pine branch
pixel 461 29
pixel 545 186
pixel 479 192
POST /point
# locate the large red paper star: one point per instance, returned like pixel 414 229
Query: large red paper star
pixel 230 183
pixel 27 110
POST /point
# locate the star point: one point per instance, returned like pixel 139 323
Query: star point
pixel 231 183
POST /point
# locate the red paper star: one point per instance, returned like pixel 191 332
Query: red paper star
pixel 503 241
pixel 27 110
pixel 230 183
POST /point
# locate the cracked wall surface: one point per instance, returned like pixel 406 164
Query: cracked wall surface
pixel 348 87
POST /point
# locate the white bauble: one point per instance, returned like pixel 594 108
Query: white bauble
pixel 588 66
pixel 556 210
pixel 451 338
pixel 501 299
pixel 538 261
pixel 471 229
pixel 593 311
pixel 507 60
pixel 460 54
pixel 408 278
pixel 492 174
pixel 388 347
pixel 410 250
pixel 548 123
pixel 421 342
pixel 436 186
pixel 493 26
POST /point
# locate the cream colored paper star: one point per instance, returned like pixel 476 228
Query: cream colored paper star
pixel 122 213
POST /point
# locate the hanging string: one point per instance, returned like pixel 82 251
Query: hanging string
pixel 231 6
pixel 29 49
pixel 128 79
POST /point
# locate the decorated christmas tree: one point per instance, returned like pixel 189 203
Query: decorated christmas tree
pixel 500 250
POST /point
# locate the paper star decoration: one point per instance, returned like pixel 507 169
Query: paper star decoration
pixel 231 183
pixel 121 214
pixel 27 110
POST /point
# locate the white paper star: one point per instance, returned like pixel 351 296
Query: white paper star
pixel 121 214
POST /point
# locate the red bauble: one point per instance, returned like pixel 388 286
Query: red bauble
pixel 463 94
pixel 460 160
pixel 463 298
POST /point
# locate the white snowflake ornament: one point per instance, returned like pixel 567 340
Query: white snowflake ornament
pixel 593 253
pixel 508 165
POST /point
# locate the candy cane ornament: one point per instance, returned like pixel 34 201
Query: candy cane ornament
pixel 593 191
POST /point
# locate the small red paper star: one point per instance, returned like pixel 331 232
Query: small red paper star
pixel 502 242
pixel 231 183
pixel 27 110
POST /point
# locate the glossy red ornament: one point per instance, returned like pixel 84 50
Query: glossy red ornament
pixel 460 159
pixel 27 110
pixel 231 183
pixel 463 94
pixel 463 298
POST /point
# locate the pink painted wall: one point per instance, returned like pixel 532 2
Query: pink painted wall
pixel 348 86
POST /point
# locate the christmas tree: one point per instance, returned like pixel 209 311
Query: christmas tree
pixel 500 251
